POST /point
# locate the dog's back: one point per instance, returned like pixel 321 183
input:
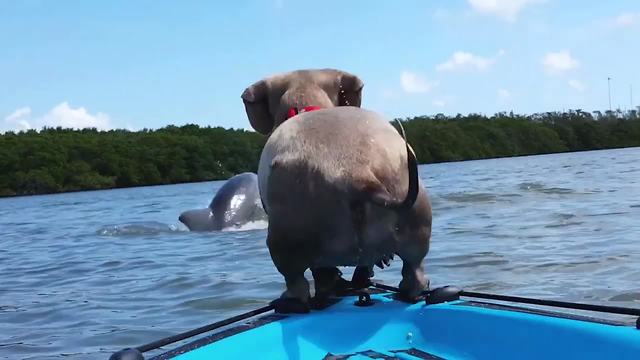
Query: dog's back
pixel 317 171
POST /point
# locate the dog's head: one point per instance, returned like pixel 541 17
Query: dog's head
pixel 271 101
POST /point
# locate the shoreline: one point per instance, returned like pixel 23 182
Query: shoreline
pixel 213 180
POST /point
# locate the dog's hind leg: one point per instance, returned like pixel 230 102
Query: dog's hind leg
pixel 328 281
pixel 292 265
pixel 361 277
pixel 413 280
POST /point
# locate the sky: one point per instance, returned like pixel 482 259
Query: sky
pixel 149 64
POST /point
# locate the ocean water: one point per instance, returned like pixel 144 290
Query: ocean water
pixel 85 274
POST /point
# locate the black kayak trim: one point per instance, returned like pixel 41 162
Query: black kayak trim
pixel 219 336
pixel 136 353
pixel 451 293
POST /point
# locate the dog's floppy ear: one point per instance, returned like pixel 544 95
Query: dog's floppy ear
pixel 256 104
pixel 350 90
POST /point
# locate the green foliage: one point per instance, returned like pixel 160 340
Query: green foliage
pixel 57 160
pixel 439 138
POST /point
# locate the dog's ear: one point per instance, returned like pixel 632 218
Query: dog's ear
pixel 350 90
pixel 256 104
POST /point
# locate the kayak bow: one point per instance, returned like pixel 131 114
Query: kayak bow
pixel 448 323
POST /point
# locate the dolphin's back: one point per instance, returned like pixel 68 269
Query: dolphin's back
pixel 236 200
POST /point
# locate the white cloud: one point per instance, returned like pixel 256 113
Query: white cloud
pixel 505 9
pixel 414 83
pixel 18 119
pixel 62 115
pixel 462 60
pixel 559 62
pixel 504 94
pixel 78 118
pixel 627 19
pixel 577 85
pixel 439 103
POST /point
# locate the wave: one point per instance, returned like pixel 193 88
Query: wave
pixel 140 228
pixel 470 197
pixel 476 197
pixel 541 188
pixel 631 296
pixel 158 228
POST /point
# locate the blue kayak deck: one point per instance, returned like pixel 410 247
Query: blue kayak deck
pixel 391 329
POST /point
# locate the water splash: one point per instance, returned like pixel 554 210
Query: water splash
pixel 252 225
pixel 140 228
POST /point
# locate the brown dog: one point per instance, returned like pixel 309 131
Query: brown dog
pixel 339 183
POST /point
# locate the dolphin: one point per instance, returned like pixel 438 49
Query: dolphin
pixel 236 203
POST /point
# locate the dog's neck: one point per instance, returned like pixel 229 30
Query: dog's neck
pixel 295 111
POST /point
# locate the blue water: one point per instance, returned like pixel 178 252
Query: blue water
pixel 84 274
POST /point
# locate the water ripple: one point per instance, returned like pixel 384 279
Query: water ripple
pixel 542 188
pixel 98 271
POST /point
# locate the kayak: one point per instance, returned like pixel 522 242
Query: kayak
pixel 448 324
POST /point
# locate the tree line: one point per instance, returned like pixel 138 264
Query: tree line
pixel 58 160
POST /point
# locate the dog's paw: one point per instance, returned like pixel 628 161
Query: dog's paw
pixel 361 278
pixel 342 287
pixel 406 298
pixel 361 283
pixel 290 306
pixel 322 302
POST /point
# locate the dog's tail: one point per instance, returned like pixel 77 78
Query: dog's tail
pixel 383 198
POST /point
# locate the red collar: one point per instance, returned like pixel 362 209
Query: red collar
pixel 295 111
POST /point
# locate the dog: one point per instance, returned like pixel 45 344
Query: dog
pixel 339 183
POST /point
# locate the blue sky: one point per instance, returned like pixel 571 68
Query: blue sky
pixel 137 64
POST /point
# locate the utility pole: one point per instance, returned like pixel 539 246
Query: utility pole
pixel 609 86
pixel 630 97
